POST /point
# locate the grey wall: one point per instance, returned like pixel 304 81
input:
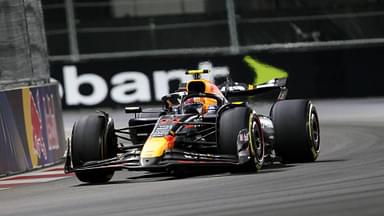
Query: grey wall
pixel 23 49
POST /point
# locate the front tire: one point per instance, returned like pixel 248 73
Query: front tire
pixel 231 122
pixel 93 140
pixel 297 131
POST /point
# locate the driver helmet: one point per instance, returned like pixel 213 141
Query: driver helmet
pixel 200 105
pixel 193 108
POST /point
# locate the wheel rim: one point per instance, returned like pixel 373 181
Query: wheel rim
pixel 257 144
pixel 315 131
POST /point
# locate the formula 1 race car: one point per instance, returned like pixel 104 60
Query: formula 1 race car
pixel 201 124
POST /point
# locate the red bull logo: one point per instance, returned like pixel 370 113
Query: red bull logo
pixel 38 140
pixel 41 125
pixel 50 122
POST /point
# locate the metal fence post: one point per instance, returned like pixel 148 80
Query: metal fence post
pixel 72 34
pixel 231 15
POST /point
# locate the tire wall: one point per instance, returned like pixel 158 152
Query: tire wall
pixel 31 128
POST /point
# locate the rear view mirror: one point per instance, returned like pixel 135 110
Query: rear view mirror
pixel 133 110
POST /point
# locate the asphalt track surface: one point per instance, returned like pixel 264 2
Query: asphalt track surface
pixel 348 179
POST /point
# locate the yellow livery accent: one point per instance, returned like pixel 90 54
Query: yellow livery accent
pixel 28 126
pixel 196 73
pixel 191 72
pixel 238 102
pixel 154 147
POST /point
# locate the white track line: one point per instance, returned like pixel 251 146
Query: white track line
pixel 57 172
pixel 30 181
pixel 38 176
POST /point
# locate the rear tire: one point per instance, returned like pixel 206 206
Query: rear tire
pixel 93 141
pixel 297 131
pixel 231 122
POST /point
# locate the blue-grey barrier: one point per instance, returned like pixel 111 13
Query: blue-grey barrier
pixel 31 128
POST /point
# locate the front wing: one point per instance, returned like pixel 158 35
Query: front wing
pixel 173 158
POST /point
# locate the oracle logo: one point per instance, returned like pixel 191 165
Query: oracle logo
pixel 127 86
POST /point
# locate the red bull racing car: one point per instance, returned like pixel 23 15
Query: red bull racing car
pixel 200 125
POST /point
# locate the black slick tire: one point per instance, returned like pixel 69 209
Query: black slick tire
pixel 92 141
pixel 297 131
pixel 231 122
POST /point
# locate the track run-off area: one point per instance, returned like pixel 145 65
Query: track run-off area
pixel 347 179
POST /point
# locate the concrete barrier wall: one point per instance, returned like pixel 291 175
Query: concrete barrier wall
pixel 31 128
pixel 23 47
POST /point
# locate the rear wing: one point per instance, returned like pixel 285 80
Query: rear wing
pixel 232 89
